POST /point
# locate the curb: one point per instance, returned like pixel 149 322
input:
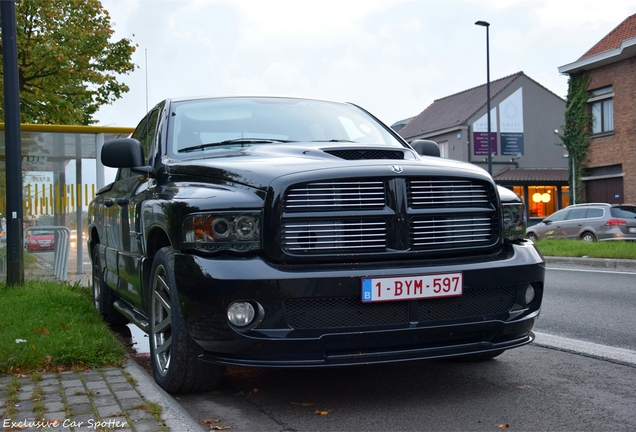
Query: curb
pixel 612 264
pixel 175 417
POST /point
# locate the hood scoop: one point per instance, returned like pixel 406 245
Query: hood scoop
pixel 365 154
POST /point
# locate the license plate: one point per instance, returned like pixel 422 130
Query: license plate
pixel 632 230
pixel 412 287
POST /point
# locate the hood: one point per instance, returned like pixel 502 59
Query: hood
pixel 258 165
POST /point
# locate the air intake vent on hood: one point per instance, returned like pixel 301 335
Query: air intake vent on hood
pixel 362 154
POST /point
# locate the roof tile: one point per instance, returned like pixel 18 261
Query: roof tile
pixel 543 175
pixel 455 109
pixel 625 30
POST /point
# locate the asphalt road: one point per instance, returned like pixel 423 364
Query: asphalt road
pixel 595 306
pixel 537 387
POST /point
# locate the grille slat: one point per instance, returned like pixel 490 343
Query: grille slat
pixel 333 236
pixel 434 192
pixel 437 231
pixel 364 195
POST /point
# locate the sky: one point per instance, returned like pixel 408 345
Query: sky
pixel 392 57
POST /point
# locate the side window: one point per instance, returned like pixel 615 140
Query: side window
pixel 146 130
pixel 558 216
pixel 123 173
pixel 595 213
pixel 577 213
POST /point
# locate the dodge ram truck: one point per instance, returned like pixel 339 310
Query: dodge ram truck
pixel 288 232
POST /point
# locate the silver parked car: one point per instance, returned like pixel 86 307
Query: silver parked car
pixel 589 222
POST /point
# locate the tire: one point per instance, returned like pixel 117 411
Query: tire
pixel 173 353
pixel 103 296
pixel 532 236
pixel 588 237
pixel 479 357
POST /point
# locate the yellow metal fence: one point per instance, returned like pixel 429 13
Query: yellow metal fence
pixel 53 199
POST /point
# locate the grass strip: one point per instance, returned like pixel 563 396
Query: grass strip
pixel 578 248
pixel 53 326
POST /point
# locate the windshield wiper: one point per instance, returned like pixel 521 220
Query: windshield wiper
pixel 233 141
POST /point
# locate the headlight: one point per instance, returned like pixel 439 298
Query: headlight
pixel 514 220
pixel 231 231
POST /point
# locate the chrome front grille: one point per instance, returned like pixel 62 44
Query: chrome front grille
pixel 336 195
pixel 391 215
pixel 334 236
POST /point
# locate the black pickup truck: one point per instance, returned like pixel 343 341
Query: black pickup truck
pixel 284 232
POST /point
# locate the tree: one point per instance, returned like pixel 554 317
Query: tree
pixel 576 132
pixel 67 65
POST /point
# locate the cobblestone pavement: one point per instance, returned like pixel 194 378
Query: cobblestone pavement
pixel 107 399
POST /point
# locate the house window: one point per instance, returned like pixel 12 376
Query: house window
pixel 443 149
pixel 602 106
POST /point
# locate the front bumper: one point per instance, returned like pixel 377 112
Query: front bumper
pixel 313 316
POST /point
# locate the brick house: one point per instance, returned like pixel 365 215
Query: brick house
pixel 610 168
pixel 525 154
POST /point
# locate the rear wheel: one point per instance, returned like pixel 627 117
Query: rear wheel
pixel 174 354
pixel 103 296
pixel 588 237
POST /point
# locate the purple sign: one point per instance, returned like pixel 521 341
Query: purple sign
pixel 480 143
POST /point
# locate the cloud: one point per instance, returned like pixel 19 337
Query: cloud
pixel 393 57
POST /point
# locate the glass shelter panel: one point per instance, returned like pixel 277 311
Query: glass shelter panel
pixel 59 178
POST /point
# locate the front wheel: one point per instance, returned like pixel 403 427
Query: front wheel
pixel 532 236
pixel 173 353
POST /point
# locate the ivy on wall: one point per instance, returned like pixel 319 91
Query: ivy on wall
pixel 576 132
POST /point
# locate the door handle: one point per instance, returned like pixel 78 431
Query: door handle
pixel 122 201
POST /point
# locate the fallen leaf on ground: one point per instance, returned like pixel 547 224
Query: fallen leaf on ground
pixel 42 330
pixel 219 427
pixel 504 426
pixel 208 421
pixel 321 412
pixel 524 387
pixel 303 404
pixel 255 390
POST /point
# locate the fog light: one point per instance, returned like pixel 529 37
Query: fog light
pixel 529 294
pixel 241 314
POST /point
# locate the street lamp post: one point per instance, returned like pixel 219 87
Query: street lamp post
pixel 487 25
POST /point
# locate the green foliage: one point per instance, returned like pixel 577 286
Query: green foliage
pixel 59 325
pixel 67 64
pixel 576 132
pixel 578 248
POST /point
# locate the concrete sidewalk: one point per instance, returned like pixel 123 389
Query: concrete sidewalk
pixel 107 399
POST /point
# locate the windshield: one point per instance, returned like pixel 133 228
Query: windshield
pixel 206 125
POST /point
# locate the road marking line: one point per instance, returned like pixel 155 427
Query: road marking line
pixel 591 349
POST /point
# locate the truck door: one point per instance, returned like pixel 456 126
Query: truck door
pixel 131 190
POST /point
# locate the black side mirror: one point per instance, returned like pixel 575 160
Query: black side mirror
pixel 123 153
pixel 426 148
